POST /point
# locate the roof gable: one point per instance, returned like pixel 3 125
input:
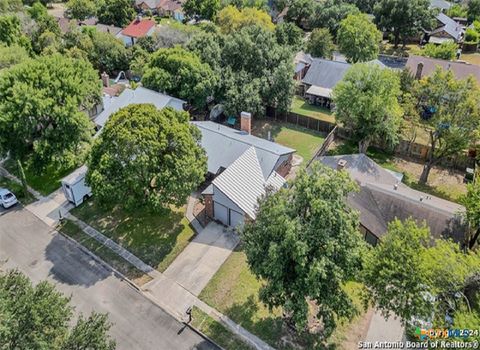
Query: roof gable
pixel 138 28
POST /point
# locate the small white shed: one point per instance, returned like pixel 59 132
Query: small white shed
pixel 74 187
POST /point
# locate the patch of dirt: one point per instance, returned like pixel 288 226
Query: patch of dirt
pixel 296 162
pixel 357 331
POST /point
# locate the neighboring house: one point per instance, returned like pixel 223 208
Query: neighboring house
pixel 244 166
pixel 139 28
pixel 171 8
pixel 302 62
pixel 321 77
pixel 139 95
pixel 442 5
pixel 383 197
pixel 446 30
pixel 421 66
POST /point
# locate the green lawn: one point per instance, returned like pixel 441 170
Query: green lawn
pixel 306 142
pixel 233 290
pixel 473 58
pixel 157 239
pixel 71 229
pixel 16 189
pixel 45 182
pixel 216 331
pixel 302 107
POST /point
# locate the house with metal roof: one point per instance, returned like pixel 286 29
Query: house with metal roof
pixel 243 168
pixel 137 96
pixel 442 5
pixel 447 29
pixel 383 198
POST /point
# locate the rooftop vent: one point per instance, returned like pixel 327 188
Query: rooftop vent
pixel 342 163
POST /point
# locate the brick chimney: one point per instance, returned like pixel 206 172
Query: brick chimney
pixel 341 164
pixel 246 122
pixel 105 79
pixel 418 73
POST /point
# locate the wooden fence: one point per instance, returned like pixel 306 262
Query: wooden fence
pixel 300 120
pixel 325 145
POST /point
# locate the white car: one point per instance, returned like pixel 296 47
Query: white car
pixel 7 198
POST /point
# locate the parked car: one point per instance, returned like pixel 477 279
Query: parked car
pixel 7 198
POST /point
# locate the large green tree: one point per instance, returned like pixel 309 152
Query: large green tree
pixel 81 9
pixel 366 103
pixel 320 43
pixel 43 104
pixel 39 317
pixel 444 51
pixel 393 273
pixel 473 10
pixel 471 201
pixel 451 114
pixel 304 244
pixel 145 157
pixel 300 12
pixel 180 73
pixel 330 13
pixel 288 34
pixel 403 18
pixel 12 55
pixel 358 38
pixel 10 29
pixel 205 9
pixel 116 12
pixel 230 19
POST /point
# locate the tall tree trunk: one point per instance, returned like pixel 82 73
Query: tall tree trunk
pixel 363 145
pixel 396 40
pixel 21 173
pixel 474 239
pixel 426 171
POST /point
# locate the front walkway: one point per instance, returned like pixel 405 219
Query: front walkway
pixel 383 330
pixel 202 258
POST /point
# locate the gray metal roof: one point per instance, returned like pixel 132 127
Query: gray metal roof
pixel 453 28
pixel 225 145
pixel 382 198
pixel 325 73
pixel 243 182
pixel 139 95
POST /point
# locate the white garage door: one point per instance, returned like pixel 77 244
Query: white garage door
pixel 236 219
pixel 220 212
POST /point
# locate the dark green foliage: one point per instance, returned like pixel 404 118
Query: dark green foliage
pixel 42 104
pixel 288 34
pixel 180 73
pixel 473 10
pixel 320 43
pixel 38 317
pixel 146 158
pixel 205 9
pixel 330 13
pixel 116 12
pixel 305 244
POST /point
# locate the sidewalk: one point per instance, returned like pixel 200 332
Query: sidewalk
pixel 382 330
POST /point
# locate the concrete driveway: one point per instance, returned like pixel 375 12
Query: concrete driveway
pixel 28 244
pixel 201 259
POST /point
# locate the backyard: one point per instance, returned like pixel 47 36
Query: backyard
pixel 444 183
pixel 302 107
pixel 156 238
pixel 306 142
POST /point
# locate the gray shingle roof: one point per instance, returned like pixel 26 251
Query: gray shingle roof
pixel 382 199
pixel 440 4
pixel 224 145
pixel 449 25
pixel 325 73
pixel 139 95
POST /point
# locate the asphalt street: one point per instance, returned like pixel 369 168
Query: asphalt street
pixel 28 244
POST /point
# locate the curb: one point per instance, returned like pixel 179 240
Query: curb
pixel 100 261
pixel 203 335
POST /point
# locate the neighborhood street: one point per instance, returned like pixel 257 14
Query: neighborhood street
pixel 31 246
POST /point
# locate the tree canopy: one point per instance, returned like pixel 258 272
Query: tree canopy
pixel 180 73
pixel 304 244
pixel 330 13
pixel 39 317
pixel 12 55
pixel 358 38
pixel 205 9
pixel 81 9
pixel 145 157
pixel 471 201
pixel 449 110
pixel 366 102
pixel 116 12
pixel 445 51
pixel 230 19
pixel 320 43
pixel 403 18
pixel 288 34
pixel 42 107
pixel 300 12
pixel 473 10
